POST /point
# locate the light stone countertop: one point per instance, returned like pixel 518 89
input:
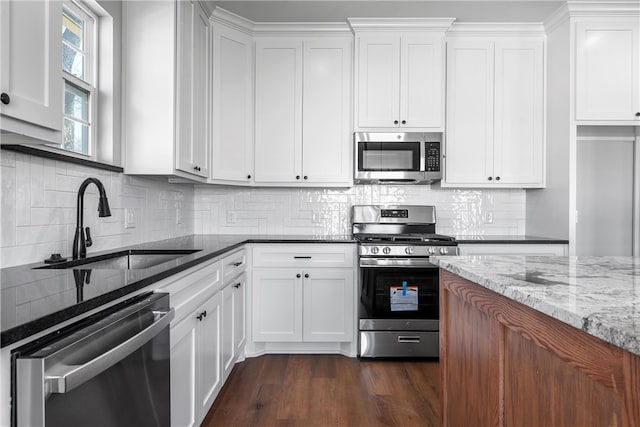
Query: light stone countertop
pixel 599 295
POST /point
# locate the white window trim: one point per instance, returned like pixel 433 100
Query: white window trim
pixel 91 52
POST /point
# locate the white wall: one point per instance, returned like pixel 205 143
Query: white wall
pixel 230 210
pixel 38 208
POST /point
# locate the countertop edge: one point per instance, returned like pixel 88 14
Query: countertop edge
pixel 589 324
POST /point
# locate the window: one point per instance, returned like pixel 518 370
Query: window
pixel 80 80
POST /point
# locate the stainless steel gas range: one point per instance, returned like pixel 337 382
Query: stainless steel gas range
pixel 399 289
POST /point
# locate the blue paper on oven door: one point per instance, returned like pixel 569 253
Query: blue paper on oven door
pixel 403 298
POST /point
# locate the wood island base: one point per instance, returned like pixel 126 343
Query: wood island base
pixel 505 364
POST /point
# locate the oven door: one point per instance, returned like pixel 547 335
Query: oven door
pixel 399 289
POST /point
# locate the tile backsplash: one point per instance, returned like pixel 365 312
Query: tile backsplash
pixel 39 196
pixel 315 211
pixel 38 211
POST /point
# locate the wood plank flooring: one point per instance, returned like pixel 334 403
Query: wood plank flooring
pixel 328 390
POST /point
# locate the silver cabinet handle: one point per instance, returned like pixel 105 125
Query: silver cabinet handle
pixel 75 375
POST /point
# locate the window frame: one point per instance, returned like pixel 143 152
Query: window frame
pixel 90 86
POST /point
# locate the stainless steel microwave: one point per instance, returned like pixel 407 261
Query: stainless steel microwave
pixel 398 157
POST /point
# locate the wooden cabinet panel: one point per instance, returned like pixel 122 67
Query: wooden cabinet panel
pixel 184 380
pixel 549 373
pixel 543 390
pixel 470 359
pixel 209 353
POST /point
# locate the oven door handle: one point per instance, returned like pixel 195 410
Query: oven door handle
pixel 396 262
pixel 63 378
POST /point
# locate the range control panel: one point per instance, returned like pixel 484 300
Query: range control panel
pixel 394 213
pixel 432 157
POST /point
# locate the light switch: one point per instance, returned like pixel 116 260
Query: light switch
pixel 129 218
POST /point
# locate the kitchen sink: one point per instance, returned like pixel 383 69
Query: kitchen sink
pixel 133 259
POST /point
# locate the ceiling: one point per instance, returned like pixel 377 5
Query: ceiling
pixel 338 11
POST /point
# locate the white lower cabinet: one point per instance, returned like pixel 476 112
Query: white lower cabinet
pixel 233 333
pixel 295 301
pixel 196 354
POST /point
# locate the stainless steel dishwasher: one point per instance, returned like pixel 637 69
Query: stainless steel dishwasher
pixel 111 369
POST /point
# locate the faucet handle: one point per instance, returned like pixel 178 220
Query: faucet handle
pixel 88 241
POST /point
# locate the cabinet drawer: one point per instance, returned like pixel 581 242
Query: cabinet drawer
pixel 234 264
pixel 304 255
pixel 188 292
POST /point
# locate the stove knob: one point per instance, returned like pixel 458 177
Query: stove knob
pixel 375 250
pixel 386 250
pixel 408 250
pixel 444 251
pixel 431 251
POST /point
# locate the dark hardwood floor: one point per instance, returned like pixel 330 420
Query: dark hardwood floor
pixel 328 390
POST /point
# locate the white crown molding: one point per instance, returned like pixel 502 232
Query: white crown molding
pixel 400 24
pixel 223 16
pixel 600 8
pixel 493 29
pixel 301 28
pixel 557 19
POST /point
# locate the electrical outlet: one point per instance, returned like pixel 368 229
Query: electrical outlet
pixel 488 217
pixel 315 217
pixel 129 218
pixel 178 216
pixel 232 217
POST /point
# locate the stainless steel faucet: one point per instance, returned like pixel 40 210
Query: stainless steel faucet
pixel 80 241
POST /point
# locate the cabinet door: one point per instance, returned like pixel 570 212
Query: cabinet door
pixel 239 304
pixel 277 305
pixel 232 120
pixel 378 81
pixel 228 318
pixel 519 107
pixel 326 156
pixel 608 70
pixel 421 81
pixel 210 352
pixel 31 57
pixel 328 305
pixel 278 109
pixel 192 152
pixel 469 146
pixel 184 382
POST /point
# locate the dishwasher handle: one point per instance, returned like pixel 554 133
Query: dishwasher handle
pixel 75 375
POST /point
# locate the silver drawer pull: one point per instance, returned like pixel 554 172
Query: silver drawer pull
pixel 413 339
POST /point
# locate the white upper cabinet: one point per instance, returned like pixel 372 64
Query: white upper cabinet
pixel 166 96
pixel 400 81
pixel 232 106
pixel 30 68
pixel 608 69
pixel 495 112
pixel 278 122
pixel 194 52
pixel 302 111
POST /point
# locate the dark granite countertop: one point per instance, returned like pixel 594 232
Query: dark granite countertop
pixel 507 239
pixel 33 300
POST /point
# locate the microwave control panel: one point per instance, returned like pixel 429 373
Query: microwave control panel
pixel 432 157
